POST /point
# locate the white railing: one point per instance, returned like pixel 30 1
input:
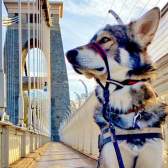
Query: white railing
pixel 80 131
pixel 17 142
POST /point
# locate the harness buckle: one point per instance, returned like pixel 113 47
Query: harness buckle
pixel 113 134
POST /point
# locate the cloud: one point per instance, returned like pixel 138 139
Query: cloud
pixel 127 9
pixel 91 8
pixel 82 19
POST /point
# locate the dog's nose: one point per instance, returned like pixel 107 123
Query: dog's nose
pixel 71 56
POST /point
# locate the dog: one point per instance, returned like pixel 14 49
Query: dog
pixel 135 106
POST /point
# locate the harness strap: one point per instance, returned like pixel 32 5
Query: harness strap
pixel 116 147
pixel 97 48
pixel 131 137
pixel 113 138
pixel 133 131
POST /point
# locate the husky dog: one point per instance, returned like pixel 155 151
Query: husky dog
pixel 126 49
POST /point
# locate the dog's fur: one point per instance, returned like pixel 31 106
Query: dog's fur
pixel 126 49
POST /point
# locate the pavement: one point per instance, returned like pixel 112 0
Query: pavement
pixel 55 155
pixel 58 155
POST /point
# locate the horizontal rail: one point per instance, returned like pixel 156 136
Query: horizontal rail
pixel 17 142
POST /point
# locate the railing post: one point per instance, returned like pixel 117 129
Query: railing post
pixel 31 142
pixel 2 74
pixel 23 145
pixel 5 147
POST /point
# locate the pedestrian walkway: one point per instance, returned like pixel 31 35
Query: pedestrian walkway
pixel 55 155
pixel 59 156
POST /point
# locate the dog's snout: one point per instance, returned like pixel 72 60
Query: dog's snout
pixel 71 56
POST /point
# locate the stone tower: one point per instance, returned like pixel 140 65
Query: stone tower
pixel 59 81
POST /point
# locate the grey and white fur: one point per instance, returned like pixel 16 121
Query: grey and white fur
pixel 126 48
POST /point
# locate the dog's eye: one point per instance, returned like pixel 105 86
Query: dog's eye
pixel 104 40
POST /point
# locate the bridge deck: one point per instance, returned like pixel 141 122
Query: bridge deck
pixel 57 155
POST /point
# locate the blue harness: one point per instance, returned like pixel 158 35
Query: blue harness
pixel 115 138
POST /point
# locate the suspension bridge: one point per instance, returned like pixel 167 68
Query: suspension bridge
pixel 37 127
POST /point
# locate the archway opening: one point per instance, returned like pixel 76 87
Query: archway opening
pixel 35 88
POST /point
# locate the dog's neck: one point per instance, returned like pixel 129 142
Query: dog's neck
pixel 122 102
pixel 121 99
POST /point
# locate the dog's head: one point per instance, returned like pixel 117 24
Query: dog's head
pixel 125 47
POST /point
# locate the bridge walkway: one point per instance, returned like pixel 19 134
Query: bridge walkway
pixel 55 155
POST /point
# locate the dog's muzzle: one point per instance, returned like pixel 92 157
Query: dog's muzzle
pixel 71 56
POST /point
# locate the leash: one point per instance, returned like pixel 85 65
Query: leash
pixel 97 48
pixel 116 146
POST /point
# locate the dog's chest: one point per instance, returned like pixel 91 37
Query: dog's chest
pixel 119 99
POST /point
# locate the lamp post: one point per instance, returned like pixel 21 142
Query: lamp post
pixel 79 98
pixel 86 89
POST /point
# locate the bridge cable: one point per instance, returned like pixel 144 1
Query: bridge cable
pixel 132 11
pixel 36 66
pixel 29 73
pixel 39 64
pixel 39 50
pixel 122 7
pixel 21 103
pixel 34 79
pixel 145 6
pixel 105 18
pixel 43 102
pixel 40 72
pixel 40 94
pixel 135 5
pixel 42 75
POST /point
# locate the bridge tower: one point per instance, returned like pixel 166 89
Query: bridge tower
pixel 59 82
pixel 52 47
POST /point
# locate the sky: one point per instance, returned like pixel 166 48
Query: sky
pixel 83 18
pixel 4 14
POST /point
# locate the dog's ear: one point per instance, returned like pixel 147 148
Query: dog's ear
pixel 144 28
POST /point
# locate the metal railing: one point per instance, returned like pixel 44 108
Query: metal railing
pixel 79 130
